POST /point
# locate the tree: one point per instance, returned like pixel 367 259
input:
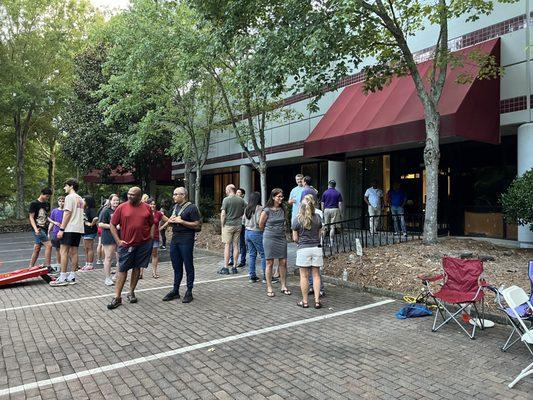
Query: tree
pixel 37 41
pixel 233 52
pixel 329 39
pixel 517 201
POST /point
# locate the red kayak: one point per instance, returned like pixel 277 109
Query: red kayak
pixel 25 273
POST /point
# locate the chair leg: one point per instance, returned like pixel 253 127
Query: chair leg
pixel 525 372
pixel 452 316
pixel 508 344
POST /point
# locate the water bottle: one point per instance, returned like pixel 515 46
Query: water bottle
pixel 345 275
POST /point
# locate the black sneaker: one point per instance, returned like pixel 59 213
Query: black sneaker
pixel 117 301
pixel 234 270
pixel 241 265
pixel 188 297
pixel 275 279
pixel 253 279
pixel 230 263
pixel 131 298
pixel 171 296
pixel 224 271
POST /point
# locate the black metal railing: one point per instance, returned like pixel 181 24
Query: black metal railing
pixel 371 231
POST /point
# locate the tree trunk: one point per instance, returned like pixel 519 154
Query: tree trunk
pixel 263 181
pixel 52 172
pixel 197 186
pixel 431 162
pixel 21 150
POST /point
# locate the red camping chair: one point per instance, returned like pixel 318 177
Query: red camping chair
pixel 462 286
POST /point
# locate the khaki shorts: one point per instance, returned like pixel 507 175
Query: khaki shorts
pixel 332 215
pixel 231 234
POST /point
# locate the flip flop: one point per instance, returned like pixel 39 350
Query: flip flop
pixel 286 292
pixel 302 304
pixel 270 294
pixel 318 305
pixel 155 276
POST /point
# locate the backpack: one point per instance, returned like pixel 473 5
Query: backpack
pixel 183 208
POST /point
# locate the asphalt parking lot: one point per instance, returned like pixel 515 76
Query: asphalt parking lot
pixel 232 342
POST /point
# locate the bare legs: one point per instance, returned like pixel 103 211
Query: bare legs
pixel 47 253
pixel 155 261
pixel 89 251
pixel 109 252
pixel 282 267
pixel 304 283
pixel 121 280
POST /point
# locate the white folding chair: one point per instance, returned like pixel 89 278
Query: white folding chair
pixel 514 297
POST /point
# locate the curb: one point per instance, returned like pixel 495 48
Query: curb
pixel 395 295
pixel 367 289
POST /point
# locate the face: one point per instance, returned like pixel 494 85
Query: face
pixel 61 203
pixel 152 205
pixel 278 199
pixel 299 181
pixel 67 188
pixel 134 196
pixel 115 201
pixel 178 196
pixel 239 193
pixel 46 197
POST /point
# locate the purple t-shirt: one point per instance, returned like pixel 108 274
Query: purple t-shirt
pixel 308 190
pixel 331 198
pixel 57 216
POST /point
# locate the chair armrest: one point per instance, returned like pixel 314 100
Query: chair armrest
pixel 430 278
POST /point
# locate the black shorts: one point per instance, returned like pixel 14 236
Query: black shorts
pixel 134 256
pixel 56 243
pixel 71 239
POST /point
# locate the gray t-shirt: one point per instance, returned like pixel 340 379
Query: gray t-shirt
pixel 308 237
pixel 252 224
pixel 234 207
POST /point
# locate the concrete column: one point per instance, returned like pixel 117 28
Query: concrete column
pixel 245 179
pixel 525 162
pixel 337 171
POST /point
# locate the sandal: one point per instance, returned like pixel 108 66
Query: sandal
pixel 318 305
pixel 155 276
pixel 270 294
pixel 302 304
pixel 286 292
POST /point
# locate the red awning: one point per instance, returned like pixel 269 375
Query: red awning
pixel 394 116
pixel 115 177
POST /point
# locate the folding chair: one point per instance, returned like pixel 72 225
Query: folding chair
pixel 515 297
pixel 462 287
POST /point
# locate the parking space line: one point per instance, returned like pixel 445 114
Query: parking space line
pixel 186 349
pixel 111 294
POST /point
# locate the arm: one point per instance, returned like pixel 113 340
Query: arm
pixel 152 230
pixel 32 223
pixel 262 220
pixel 188 224
pixel 366 201
pixel 114 232
pixel 222 217
pixel 66 218
pixel 295 236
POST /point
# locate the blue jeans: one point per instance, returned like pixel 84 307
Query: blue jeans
pixel 181 253
pixel 242 249
pixel 397 214
pixel 254 242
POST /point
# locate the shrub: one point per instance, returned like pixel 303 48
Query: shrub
pixel 517 201
pixel 215 225
pixel 207 208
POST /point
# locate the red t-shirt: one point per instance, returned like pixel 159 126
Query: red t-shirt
pixel 135 223
pixel 158 215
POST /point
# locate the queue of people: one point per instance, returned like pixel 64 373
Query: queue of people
pixel 132 232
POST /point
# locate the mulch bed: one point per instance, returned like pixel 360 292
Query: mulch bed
pixel 395 267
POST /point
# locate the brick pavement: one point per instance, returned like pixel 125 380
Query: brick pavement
pixel 366 354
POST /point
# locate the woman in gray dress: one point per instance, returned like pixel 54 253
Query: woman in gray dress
pixel 272 222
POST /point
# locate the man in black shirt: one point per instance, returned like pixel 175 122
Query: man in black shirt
pixel 185 222
pixel 38 214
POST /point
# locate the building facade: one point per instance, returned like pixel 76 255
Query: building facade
pixel 486 136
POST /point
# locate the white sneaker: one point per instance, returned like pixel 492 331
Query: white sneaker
pixel 108 282
pixel 59 282
pixel 99 262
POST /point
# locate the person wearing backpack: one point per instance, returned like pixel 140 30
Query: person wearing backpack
pixel 185 222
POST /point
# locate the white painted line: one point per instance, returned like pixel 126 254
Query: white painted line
pixel 51 303
pixel 28 250
pixel 182 350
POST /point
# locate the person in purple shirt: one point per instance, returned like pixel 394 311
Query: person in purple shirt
pixel 397 198
pixel 308 189
pixel 331 205
pixel 56 217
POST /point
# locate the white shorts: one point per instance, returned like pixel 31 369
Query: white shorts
pixel 309 257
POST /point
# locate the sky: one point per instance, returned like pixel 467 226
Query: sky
pixel 110 4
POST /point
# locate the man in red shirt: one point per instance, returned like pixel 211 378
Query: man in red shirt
pixel 134 246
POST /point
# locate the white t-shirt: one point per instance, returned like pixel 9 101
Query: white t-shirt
pixel 74 203
pixel 374 196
